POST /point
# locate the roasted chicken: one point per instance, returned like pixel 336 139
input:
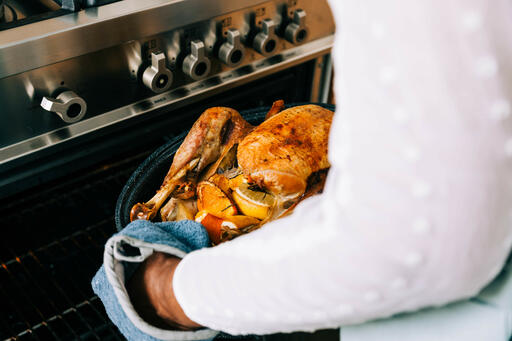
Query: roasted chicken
pixel 233 177
pixel 280 154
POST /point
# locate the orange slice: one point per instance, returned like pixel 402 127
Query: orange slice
pixel 220 181
pixel 236 181
pixel 213 225
pixel 212 199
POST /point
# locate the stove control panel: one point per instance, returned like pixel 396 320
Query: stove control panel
pixel 157 77
pixel 72 76
pixel 296 31
pixel 232 51
pixel 196 65
pixel 67 105
pixel 211 47
pixel 265 41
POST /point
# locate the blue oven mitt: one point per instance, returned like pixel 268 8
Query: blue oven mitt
pixel 124 251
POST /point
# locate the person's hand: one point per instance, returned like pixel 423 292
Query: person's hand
pixel 152 295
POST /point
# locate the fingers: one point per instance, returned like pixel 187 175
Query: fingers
pixel 152 296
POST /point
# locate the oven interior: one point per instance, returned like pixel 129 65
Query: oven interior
pixel 56 214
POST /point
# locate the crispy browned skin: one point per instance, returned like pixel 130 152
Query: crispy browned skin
pixel 216 128
pixel 211 136
pixel 281 153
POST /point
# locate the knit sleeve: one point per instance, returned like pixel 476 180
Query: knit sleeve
pixel 416 211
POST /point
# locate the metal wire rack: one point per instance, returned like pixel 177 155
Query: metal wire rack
pixel 50 248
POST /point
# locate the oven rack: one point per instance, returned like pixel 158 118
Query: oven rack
pixel 50 250
pixel 48 258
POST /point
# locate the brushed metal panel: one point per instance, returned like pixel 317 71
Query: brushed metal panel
pixel 101 54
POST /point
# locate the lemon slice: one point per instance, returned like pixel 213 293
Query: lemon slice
pixel 253 203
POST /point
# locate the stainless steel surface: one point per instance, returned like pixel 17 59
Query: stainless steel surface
pixel 321 79
pixel 157 77
pixel 42 43
pixel 117 79
pixel 232 51
pixel 107 56
pixel 326 80
pixel 196 65
pixel 296 31
pixel 68 106
pixel 265 41
pixel 176 98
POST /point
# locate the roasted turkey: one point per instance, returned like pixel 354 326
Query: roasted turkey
pixel 281 153
pixel 233 177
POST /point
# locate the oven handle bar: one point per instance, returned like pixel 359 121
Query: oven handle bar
pixel 176 97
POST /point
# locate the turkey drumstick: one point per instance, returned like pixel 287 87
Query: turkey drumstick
pixel 212 135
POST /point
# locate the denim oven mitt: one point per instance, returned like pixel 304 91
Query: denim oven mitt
pixel 124 251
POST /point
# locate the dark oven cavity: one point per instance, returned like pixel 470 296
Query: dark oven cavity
pixel 114 81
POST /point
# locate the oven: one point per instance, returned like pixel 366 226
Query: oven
pixel 89 89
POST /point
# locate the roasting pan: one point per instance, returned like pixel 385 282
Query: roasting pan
pixel 148 177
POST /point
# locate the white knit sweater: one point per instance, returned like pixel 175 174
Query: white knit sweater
pixel 417 209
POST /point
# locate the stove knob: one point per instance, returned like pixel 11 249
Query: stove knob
pixel 232 51
pixel 157 76
pixel 265 42
pixel 68 105
pixel 296 31
pixel 196 65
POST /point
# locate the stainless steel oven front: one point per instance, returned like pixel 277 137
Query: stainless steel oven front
pixel 89 89
pixel 76 79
